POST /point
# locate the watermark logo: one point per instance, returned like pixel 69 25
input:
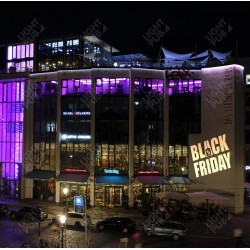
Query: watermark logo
pixel 223 92
pixel 218 32
pixel 156 32
pixel 218 220
pixel 31 31
pixel 152 99
pixel 97 28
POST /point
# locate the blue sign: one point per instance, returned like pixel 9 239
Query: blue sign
pixel 78 204
pixel 111 171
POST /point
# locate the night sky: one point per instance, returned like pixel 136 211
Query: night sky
pixel 185 24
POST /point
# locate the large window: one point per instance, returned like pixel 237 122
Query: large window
pixel 11 128
pixel 148 157
pixel 75 128
pixel 178 160
pixel 113 156
pixel 20 58
pixel 177 87
pixel 48 49
pixel 75 155
pixel 148 86
pixel 76 86
pixel 72 46
pixel 21 51
pixel 112 86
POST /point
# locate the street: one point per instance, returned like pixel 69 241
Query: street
pixel 15 232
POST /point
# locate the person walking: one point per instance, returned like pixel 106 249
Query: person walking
pixel 238 236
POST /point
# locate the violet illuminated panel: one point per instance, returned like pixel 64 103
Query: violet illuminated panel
pixel 11 127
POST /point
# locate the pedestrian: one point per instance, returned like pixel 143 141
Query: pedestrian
pixel 137 238
pixel 238 236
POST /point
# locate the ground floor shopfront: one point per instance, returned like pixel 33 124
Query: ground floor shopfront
pixel 109 191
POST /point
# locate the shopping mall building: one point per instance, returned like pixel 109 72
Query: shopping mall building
pixel 113 127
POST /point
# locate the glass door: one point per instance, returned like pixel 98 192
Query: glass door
pixel 113 196
pixel 118 196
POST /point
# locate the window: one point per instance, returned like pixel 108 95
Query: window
pixel 72 46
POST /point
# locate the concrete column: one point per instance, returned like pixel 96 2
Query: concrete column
pixel 27 164
pixel 131 142
pixel 58 139
pixel 58 192
pixel 93 147
pixel 165 131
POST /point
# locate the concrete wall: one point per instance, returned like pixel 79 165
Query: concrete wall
pixel 222 132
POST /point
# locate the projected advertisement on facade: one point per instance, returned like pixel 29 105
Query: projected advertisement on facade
pixel 210 156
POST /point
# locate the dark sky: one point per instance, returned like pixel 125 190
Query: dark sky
pixel 128 22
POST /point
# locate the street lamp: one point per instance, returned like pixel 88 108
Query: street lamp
pixel 65 192
pixel 63 221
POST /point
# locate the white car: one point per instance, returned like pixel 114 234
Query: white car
pixel 73 218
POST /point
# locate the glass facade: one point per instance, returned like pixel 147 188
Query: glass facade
pixel 70 53
pixel 112 107
pixel 112 116
pixel 148 125
pixel 75 124
pixel 11 136
pixel 45 94
pixel 20 58
pixel 184 86
pixel 184 118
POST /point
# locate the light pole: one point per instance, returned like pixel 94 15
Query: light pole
pixel 65 192
pixel 63 222
pixel 86 225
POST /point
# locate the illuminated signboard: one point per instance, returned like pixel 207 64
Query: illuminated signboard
pixel 76 113
pixel 211 156
pixel 111 171
pixel 77 137
pixel 78 204
pixel 148 172
pixel 75 170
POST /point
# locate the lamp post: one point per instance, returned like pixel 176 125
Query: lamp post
pixel 65 192
pixel 63 222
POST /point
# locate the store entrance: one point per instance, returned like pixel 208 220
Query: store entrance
pixel 10 189
pixel 113 196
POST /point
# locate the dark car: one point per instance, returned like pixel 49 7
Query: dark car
pixel 3 208
pixel 29 214
pixel 123 224
pixel 170 228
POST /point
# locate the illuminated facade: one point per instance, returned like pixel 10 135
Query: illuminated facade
pixel 110 134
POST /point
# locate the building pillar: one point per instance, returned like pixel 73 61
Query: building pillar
pixel 165 131
pixel 58 140
pixel 131 142
pixel 27 162
pixel 58 191
pixel 93 146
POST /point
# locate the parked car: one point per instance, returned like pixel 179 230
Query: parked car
pixel 117 223
pixel 3 208
pixel 29 213
pixel 73 218
pixel 173 229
